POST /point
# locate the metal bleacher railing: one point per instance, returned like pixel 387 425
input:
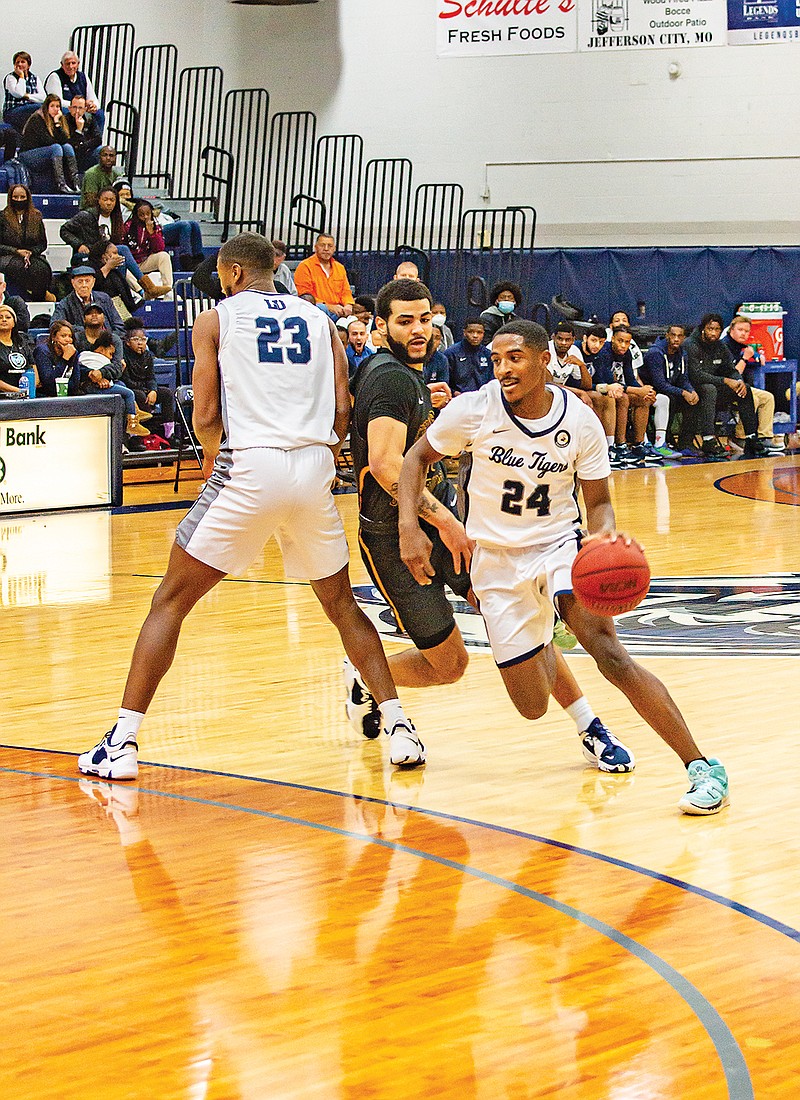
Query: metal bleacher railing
pixel 224 152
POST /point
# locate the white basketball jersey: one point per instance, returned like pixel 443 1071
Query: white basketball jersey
pixel 276 366
pixel 522 489
pixel 562 371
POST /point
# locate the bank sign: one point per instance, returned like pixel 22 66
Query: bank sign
pixel 54 464
pixel 763 21
pixel 476 28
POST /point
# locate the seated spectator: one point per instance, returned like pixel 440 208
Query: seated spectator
pixel 326 279
pixel 103 174
pixel 16 352
pixel 19 305
pixel 341 328
pixel 469 360
pixel 711 363
pixel 439 319
pixel 745 357
pixel 146 241
pixel 406 269
pixel 140 376
pixel 437 370
pixel 58 358
pixel 46 145
pixel 283 273
pixel 94 325
pixel 620 317
pixel 568 368
pixel 506 299
pixel 613 366
pixel 23 242
pixel 111 279
pixel 24 93
pixel 100 373
pixel 666 369
pixel 356 346
pixel 178 233
pixel 85 137
pixel 68 81
pixel 364 309
pixel 89 231
pixel 83 293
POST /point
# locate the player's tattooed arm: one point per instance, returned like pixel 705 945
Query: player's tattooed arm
pixel 415 501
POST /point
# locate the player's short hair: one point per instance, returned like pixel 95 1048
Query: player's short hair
pixel 682 326
pixel 366 301
pixel 470 321
pixel 105 340
pixel 704 320
pixel 400 290
pixel 614 313
pixel 622 328
pixel 499 289
pixel 596 330
pixel 533 334
pixel 251 251
pixel 565 326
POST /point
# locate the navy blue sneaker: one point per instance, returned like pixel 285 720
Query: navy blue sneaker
pixel 601 748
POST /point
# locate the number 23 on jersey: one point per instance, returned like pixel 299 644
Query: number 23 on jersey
pixel 275 348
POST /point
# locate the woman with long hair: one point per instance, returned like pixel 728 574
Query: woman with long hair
pixel 16 353
pixel 23 242
pixel 58 358
pixel 145 240
pixel 46 144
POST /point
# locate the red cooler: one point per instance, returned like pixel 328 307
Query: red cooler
pixel 767 327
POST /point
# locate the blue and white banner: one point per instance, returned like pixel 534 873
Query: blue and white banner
pixel 763 21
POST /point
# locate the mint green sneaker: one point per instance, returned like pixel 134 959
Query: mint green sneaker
pixel 708 788
pixel 563 636
pixel 667 452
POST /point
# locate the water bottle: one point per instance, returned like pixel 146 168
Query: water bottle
pixel 27 383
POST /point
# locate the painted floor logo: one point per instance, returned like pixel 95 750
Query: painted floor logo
pixel 681 617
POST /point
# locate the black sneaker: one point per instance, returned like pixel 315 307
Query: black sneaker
pixel 362 710
pixel 754 448
pixel 713 449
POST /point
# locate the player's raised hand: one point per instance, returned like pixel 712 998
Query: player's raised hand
pixel 415 550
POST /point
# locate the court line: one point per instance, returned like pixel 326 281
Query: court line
pixel 737 1075
pixel 761 500
pixel 727 903
pixel 162 506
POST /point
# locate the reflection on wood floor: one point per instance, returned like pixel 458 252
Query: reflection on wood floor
pixel 505 923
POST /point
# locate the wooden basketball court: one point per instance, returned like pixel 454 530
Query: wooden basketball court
pixel 273 912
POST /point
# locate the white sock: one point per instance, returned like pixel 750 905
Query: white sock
pixel 392 713
pixel 709 437
pixel 128 722
pixel 661 438
pixel 581 713
pixel 610 440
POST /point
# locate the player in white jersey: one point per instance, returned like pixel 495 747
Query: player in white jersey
pixel 530 444
pixel 271 407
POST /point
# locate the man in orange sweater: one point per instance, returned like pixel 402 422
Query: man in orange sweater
pixel 326 279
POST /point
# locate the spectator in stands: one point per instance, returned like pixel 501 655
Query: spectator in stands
pixel 23 243
pixel 341 328
pixel 24 94
pixel 356 347
pixel 68 81
pixel 140 376
pixel 364 309
pixel 100 373
pixel 46 144
pixel 85 137
pixel 439 318
pixel 666 369
pixel 83 293
pixel 103 174
pixel 568 368
pixel 177 232
pixel 146 241
pixel 112 280
pixel 16 352
pixel 19 305
pixel 613 366
pixel 406 269
pixel 505 298
pixel 283 273
pixel 711 363
pixel 437 368
pixel 745 358
pixel 326 279
pixel 469 360
pixel 94 324
pixel 58 358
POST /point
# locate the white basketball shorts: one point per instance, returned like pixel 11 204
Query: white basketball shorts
pixel 259 492
pixel 517 589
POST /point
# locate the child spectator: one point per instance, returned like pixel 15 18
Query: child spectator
pixel 99 374
pixel 139 374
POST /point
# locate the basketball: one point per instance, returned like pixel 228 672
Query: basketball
pixel 610 578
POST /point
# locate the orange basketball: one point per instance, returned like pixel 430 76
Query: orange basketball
pixel 610 578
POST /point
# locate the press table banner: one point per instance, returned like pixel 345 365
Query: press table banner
pixel 478 28
pixel 763 21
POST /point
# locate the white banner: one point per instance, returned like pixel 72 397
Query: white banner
pixel 477 28
pixel 651 24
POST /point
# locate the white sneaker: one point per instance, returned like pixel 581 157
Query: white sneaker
pixel 362 710
pixel 111 761
pixel 405 748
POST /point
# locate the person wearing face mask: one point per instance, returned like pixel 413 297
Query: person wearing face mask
pixel 22 245
pixel 506 298
pixel 439 319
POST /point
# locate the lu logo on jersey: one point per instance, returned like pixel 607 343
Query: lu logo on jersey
pixel 681 617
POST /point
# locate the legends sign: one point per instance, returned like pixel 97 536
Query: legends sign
pixel 477 28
